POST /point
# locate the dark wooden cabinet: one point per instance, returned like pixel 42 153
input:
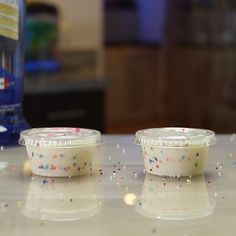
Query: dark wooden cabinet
pixel 72 109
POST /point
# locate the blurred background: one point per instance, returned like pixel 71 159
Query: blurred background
pixel 123 65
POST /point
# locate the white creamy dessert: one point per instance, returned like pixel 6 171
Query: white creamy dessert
pixel 61 152
pixel 62 199
pixel 175 200
pixel 175 152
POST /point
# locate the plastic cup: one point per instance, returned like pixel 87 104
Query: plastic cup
pixel 61 152
pixel 175 152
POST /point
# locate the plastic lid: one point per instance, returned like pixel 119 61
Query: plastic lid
pixel 175 137
pixel 60 137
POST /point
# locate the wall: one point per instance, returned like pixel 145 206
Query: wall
pixel 81 28
pixel 81 23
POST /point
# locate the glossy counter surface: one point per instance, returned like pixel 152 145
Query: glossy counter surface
pixel 120 199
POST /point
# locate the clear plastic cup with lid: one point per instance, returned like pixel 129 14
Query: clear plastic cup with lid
pixel 61 152
pixel 175 152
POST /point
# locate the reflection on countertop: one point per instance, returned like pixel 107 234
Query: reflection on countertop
pixel 175 199
pixel 62 199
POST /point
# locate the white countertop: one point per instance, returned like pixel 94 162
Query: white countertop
pixel 106 196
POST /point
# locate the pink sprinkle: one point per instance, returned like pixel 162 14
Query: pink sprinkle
pixel 77 130
pixel 53 167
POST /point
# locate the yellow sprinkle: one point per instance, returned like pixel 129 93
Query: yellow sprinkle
pixel 130 198
pixel 27 168
pixel 19 204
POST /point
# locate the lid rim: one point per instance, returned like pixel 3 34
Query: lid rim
pixel 175 137
pixel 60 137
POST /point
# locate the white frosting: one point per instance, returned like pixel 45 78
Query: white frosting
pixel 61 161
pixel 175 161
